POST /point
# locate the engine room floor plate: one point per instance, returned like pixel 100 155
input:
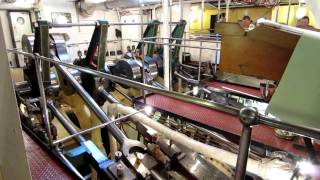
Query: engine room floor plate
pixel 42 165
pixel 222 121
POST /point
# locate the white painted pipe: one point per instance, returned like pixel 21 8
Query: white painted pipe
pixel 166 35
pixel 181 9
pixel 274 169
pixel 227 10
pixel 202 13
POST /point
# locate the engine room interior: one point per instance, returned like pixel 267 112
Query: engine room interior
pixel 160 89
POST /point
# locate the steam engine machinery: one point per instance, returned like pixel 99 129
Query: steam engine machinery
pixel 74 111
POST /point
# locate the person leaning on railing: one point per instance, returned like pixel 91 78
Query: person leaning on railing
pixel 303 23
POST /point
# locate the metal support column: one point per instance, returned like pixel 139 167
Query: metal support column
pixel 248 117
pixel 166 48
pixel 289 9
pixel 227 10
pixel 142 54
pixel 202 13
pixel 199 65
pixel 43 101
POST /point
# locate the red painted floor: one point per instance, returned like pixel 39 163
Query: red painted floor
pixel 42 165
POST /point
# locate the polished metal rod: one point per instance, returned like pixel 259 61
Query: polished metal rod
pixel 69 165
pixel 189 80
pixel 199 62
pixel 179 45
pixel 77 134
pixel 92 104
pixel 56 25
pixel 68 126
pixel 108 41
pixel 273 122
pixel 124 94
pixel 181 39
pixel 65 25
pixel 43 101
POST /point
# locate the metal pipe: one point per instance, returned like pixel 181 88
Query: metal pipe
pixel 181 39
pixel 289 9
pixel 202 13
pixel 56 25
pixel 109 97
pixel 123 24
pixel 166 48
pixel 227 10
pixel 78 134
pixel 65 25
pixel 180 52
pixel 242 158
pixel 181 9
pixel 276 12
pixel 69 165
pixel 189 66
pixel 142 54
pixel 143 73
pixel 199 65
pixel 170 35
pixel 124 94
pixel 219 8
pixel 170 44
pixel 191 81
pixel 216 59
pixel 269 121
pixel 43 101
pixel 170 15
pixel 116 132
pixel 248 117
pixel 65 123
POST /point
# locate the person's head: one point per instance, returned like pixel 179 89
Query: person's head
pixel 222 17
pixel 128 48
pixel 246 21
pixel 133 48
pixel 138 53
pixel 304 21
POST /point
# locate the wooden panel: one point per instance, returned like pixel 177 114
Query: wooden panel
pixel 263 52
